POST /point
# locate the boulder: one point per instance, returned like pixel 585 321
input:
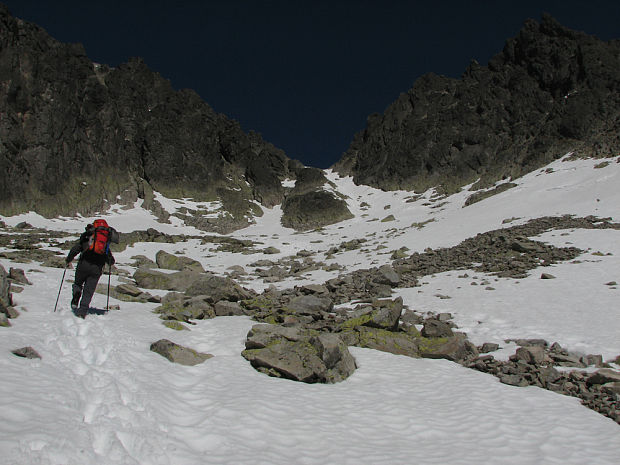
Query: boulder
pixel 534 355
pixel 186 308
pixel 399 343
pixel 456 348
pixel 263 335
pixel 218 287
pixel 128 289
pixel 142 261
pixel 314 289
pixel 18 276
pixel 226 308
pixel 152 279
pixel 178 354
pixel 175 262
pixel 26 352
pixel 297 354
pixel 436 328
pixel 5 290
pixel 386 275
pixel 604 376
pixel 314 209
pixel 382 314
pixel 127 293
pixel 4 321
pixel 489 347
pixel 310 305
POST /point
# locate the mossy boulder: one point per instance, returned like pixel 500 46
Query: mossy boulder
pixel 298 354
pixel 176 325
pixel 184 308
pixel 152 279
pixel 411 343
pixel 218 287
pixel 310 305
pixel 399 343
pixel 382 314
pixel 175 262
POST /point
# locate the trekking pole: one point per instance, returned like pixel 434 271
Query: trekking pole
pixel 61 281
pixel 107 304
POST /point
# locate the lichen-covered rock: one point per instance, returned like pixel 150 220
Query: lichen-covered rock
pixel 310 305
pixel 399 343
pixel 436 328
pixel 153 279
pixel 298 354
pixel 226 308
pixel 142 261
pixel 178 354
pixel 4 320
pixel 186 308
pixel 382 314
pixel 175 262
pixel 218 287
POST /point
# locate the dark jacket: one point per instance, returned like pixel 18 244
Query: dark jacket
pixel 81 247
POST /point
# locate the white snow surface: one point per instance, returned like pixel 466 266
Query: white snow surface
pixel 99 396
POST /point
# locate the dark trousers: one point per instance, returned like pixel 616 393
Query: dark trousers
pixel 87 276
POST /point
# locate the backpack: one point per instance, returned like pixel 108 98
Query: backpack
pixel 100 236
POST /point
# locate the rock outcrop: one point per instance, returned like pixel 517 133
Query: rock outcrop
pixel 550 91
pixel 298 354
pixel 309 205
pixel 74 133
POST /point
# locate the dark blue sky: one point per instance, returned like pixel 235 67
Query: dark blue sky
pixel 305 74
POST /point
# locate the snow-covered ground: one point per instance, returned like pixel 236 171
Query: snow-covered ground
pixel 99 396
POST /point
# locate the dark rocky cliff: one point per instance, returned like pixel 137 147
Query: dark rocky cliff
pixel 73 133
pixel 550 91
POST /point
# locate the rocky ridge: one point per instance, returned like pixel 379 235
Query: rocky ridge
pixel 75 133
pixel 550 91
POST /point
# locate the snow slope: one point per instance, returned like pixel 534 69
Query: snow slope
pixel 99 396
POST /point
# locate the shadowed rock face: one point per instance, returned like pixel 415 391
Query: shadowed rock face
pixel 73 133
pixel 550 91
pixel 309 205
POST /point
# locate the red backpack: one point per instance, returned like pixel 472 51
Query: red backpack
pixel 99 241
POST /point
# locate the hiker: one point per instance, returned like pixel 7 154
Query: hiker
pixel 94 249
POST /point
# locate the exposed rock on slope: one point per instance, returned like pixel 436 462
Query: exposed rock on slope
pixel 551 90
pixel 74 133
pixel 309 206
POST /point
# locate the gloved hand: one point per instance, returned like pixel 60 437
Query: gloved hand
pixel 111 260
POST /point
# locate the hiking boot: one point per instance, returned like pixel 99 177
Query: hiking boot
pixel 75 301
pixel 81 312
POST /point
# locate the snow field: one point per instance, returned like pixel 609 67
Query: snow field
pixel 99 396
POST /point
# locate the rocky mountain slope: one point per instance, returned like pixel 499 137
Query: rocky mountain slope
pixel 74 135
pixel 550 91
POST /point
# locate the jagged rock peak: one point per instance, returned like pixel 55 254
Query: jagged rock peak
pixel 550 91
pixel 74 133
